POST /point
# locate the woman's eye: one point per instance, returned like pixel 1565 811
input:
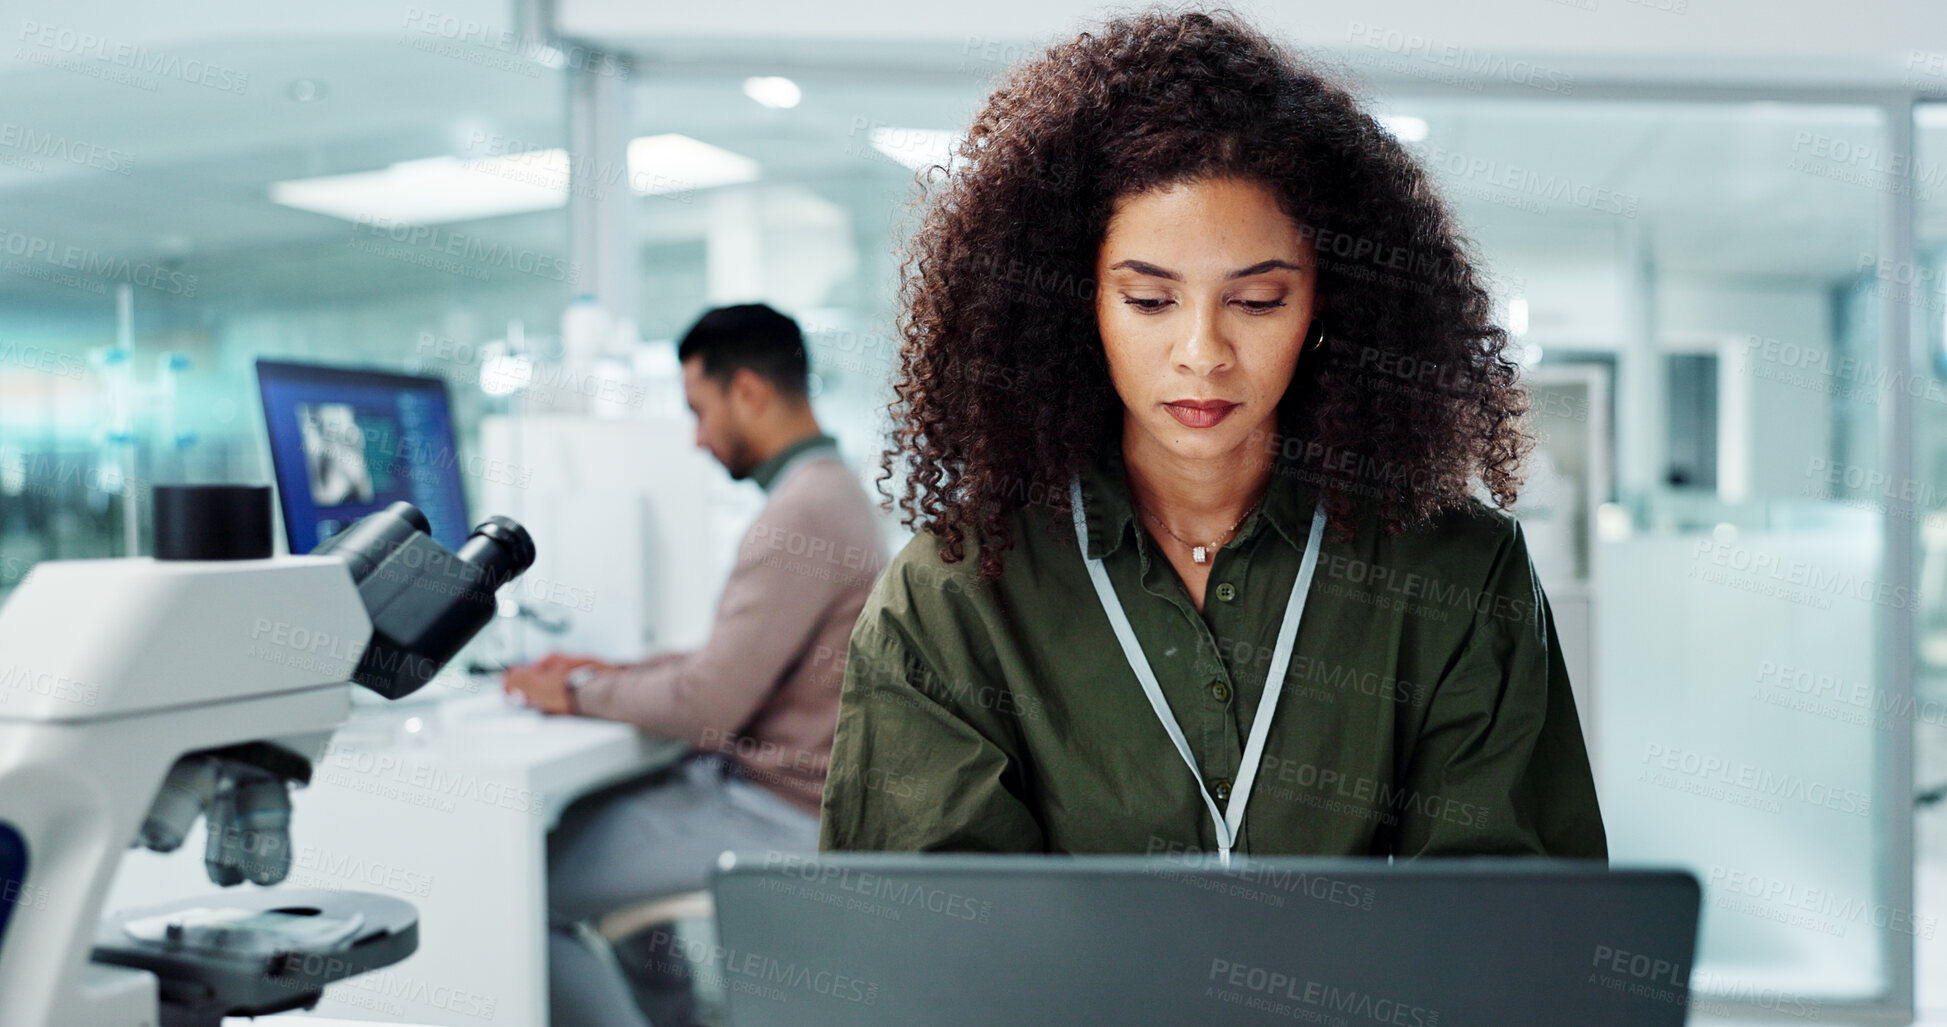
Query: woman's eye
pixel 1152 304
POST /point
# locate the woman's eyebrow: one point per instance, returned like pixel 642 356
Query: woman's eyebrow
pixel 1143 267
pixel 1265 265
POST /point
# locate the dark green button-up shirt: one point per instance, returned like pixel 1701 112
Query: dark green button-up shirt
pixel 1426 709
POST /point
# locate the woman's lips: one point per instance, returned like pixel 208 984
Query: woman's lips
pixel 1200 413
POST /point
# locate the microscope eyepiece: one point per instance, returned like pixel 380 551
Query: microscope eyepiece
pixel 425 602
pixel 499 547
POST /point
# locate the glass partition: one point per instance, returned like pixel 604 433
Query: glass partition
pixel 1704 276
pixel 1925 295
pixel 345 212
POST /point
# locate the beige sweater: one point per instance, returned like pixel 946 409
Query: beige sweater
pixel 764 688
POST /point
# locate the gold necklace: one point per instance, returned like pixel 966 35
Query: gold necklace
pixel 1201 554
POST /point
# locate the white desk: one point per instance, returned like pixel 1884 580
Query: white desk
pixel 450 813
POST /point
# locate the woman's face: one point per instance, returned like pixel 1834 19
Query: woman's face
pixel 1205 294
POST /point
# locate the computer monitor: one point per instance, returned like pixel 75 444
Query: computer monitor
pixel 960 941
pixel 345 442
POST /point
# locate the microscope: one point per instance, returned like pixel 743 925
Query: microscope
pixel 137 695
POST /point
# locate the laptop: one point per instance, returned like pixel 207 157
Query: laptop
pixel 881 938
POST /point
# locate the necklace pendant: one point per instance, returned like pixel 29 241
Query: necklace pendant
pixel 1199 554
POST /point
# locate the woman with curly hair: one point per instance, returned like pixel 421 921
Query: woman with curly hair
pixel 1198 396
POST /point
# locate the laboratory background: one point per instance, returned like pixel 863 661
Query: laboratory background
pixel 1716 229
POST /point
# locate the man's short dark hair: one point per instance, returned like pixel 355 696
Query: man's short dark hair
pixel 749 335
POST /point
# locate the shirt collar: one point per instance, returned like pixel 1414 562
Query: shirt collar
pixel 765 474
pixel 1111 513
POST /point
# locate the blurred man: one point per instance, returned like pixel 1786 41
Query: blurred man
pixel 759 701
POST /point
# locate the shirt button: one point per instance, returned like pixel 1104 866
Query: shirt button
pixel 1219 691
pixel 1220 789
pixel 1226 591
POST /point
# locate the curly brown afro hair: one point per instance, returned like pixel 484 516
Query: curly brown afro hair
pixel 1410 406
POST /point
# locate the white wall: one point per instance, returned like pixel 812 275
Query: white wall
pixel 1802 40
pixel 160 27
pixel 1789 40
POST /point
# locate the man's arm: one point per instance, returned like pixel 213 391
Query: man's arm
pixel 771 607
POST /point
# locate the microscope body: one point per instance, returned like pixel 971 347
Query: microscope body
pixel 114 673
pixel 112 670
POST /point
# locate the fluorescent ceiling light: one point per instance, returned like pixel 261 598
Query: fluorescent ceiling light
pixel 915 147
pixel 773 92
pixel 549 56
pixel 674 163
pixel 436 190
pixel 1404 127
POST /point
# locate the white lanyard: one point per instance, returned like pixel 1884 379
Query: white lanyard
pixel 1231 820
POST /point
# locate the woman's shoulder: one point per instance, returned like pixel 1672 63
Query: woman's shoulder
pixel 934 620
pixel 1470 541
pixel 919 582
pixel 1468 558
pixel 1471 524
pixel 922 561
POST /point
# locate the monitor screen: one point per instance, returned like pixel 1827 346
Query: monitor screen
pixel 347 442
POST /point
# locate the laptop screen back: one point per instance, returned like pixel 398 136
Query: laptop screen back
pixel 946 940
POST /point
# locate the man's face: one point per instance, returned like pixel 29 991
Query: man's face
pixel 720 426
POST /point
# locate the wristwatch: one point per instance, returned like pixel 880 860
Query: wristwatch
pixel 577 678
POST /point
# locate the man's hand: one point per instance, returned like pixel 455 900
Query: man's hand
pixel 543 684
